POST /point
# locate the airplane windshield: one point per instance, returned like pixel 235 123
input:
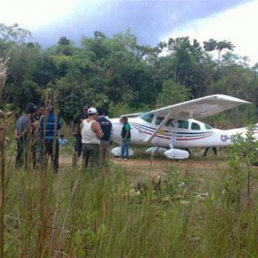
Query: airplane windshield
pixel 147 117
pixel 208 127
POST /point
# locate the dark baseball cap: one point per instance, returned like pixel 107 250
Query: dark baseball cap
pixel 30 108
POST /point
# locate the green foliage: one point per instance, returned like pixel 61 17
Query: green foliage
pixel 116 110
pixel 182 213
pixel 212 45
pixel 74 215
pixel 171 93
pixel 13 34
pixel 187 64
pixel 217 45
pixel 232 204
pixel 28 91
pixel 245 150
pixel 119 71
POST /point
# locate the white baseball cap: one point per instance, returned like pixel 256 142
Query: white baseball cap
pixel 92 111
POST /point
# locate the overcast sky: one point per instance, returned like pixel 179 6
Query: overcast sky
pixel 150 20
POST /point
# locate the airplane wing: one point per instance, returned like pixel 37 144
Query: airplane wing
pixel 131 115
pixel 196 108
pixel 201 107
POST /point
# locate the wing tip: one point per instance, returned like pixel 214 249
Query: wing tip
pixel 227 97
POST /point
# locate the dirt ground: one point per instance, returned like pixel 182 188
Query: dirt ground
pixel 143 167
pixel 205 171
pixel 137 169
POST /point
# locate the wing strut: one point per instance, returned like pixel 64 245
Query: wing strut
pixel 160 126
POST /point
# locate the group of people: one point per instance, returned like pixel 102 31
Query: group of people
pixel 37 135
pixel 93 132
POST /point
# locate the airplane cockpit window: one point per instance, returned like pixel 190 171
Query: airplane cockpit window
pixel 183 124
pixel 147 117
pixel 159 120
pixel 195 126
pixel 208 127
pixel 169 123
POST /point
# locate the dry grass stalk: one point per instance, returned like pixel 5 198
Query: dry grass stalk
pixel 3 75
pixel 65 219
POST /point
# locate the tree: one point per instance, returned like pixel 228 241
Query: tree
pixel 212 45
pixel 171 93
pixel 28 91
pixel 13 34
pixel 64 46
pixel 185 64
pixel 64 41
pixel 223 45
pixel 120 71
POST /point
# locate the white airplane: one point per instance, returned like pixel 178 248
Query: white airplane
pixel 170 130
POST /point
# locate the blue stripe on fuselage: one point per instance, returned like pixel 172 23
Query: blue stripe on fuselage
pixel 169 133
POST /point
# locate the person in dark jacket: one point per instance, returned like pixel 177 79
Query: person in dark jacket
pixel 77 134
pixel 126 138
pixel 50 126
pixel 106 127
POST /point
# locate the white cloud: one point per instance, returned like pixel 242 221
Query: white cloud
pixel 33 14
pixel 238 25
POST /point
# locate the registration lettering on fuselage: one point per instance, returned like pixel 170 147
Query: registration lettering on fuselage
pixel 225 138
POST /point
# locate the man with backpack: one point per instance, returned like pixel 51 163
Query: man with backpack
pixel 106 127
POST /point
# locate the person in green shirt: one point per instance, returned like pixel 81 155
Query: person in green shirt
pixel 126 137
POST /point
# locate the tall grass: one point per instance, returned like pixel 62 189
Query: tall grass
pixel 73 215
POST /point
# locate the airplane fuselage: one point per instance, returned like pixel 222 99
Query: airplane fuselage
pixel 181 134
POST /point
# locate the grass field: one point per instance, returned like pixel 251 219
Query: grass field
pixel 137 208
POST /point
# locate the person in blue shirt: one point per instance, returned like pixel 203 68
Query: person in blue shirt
pixel 62 141
pixel 50 126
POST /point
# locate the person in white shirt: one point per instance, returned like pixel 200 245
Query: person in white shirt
pixel 91 134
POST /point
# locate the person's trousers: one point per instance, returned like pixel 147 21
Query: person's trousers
pixel 77 149
pixel 104 151
pixel 207 149
pixel 21 155
pixel 52 150
pixel 125 148
pixel 90 156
